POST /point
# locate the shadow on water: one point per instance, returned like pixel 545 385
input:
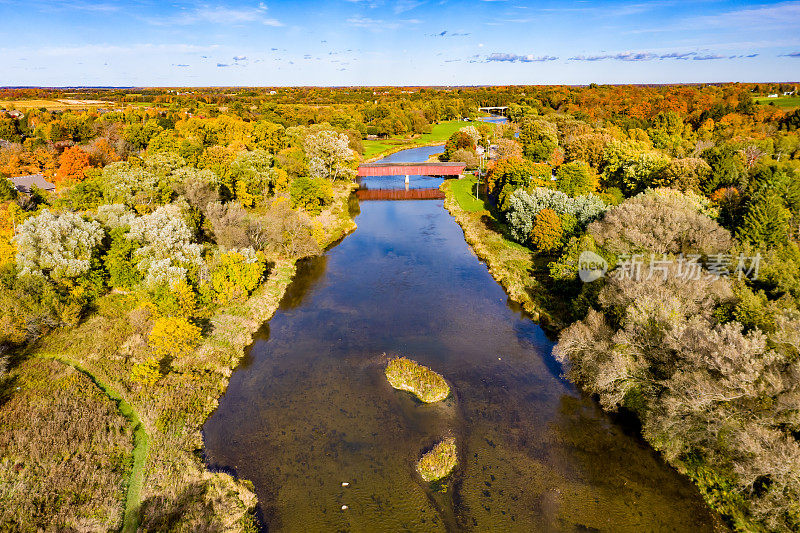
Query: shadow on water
pixel 310 271
pixel 310 409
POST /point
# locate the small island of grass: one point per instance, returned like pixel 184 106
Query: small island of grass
pixel 439 462
pixel 424 383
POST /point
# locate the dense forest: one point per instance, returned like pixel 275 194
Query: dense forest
pixel 174 205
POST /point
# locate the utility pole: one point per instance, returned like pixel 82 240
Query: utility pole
pixel 480 175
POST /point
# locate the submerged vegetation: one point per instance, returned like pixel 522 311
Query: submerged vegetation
pixel 437 464
pixel 424 383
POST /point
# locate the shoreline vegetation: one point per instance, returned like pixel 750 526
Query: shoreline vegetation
pixel 425 384
pixel 439 462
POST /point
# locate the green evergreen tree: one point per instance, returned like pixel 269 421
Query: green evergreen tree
pixel 766 222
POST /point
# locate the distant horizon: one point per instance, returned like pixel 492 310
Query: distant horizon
pixel 378 86
pixel 238 43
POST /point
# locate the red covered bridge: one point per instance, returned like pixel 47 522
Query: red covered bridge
pixel 411 169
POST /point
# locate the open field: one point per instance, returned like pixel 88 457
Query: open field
pixel 52 105
pixel 66 452
pixel 438 134
pixel 784 102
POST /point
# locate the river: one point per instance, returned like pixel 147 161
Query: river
pixel 310 409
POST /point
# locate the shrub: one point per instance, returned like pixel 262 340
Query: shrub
pixel 146 373
pixel 546 232
pixel 29 306
pixel 311 194
pixel 172 337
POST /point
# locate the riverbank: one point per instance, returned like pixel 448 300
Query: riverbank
pixel 163 481
pixel 510 264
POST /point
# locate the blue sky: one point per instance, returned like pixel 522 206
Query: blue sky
pixel 395 42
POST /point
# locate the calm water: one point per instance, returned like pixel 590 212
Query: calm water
pixel 495 119
pixel 310 408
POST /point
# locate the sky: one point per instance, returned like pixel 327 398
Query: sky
pixel 395 42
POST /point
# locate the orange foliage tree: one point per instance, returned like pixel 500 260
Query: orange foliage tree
pixel 547 231
pixel 72 164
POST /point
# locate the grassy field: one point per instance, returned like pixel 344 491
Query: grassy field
pixel 439 134
pixel 464 192
pixel 66 452
pixel 784 102
pixel 51 105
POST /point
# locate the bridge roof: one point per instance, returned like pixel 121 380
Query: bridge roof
pixel 411 169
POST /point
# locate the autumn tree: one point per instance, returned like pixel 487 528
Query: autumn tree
pixel 539 139
pixel 60 247
pixel 459 140
pixel 547 230
pixel 71 166
pixel 329 155
pixel 575 178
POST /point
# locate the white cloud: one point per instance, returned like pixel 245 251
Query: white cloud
pixel 514 58
pixel 219 15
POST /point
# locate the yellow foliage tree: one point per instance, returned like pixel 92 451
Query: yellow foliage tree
pixel 146 373
pixel 236 275
pixel 10 217
pixel 173 337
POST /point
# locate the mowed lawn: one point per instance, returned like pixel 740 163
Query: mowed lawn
pixel 439 133
pixel 784 102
